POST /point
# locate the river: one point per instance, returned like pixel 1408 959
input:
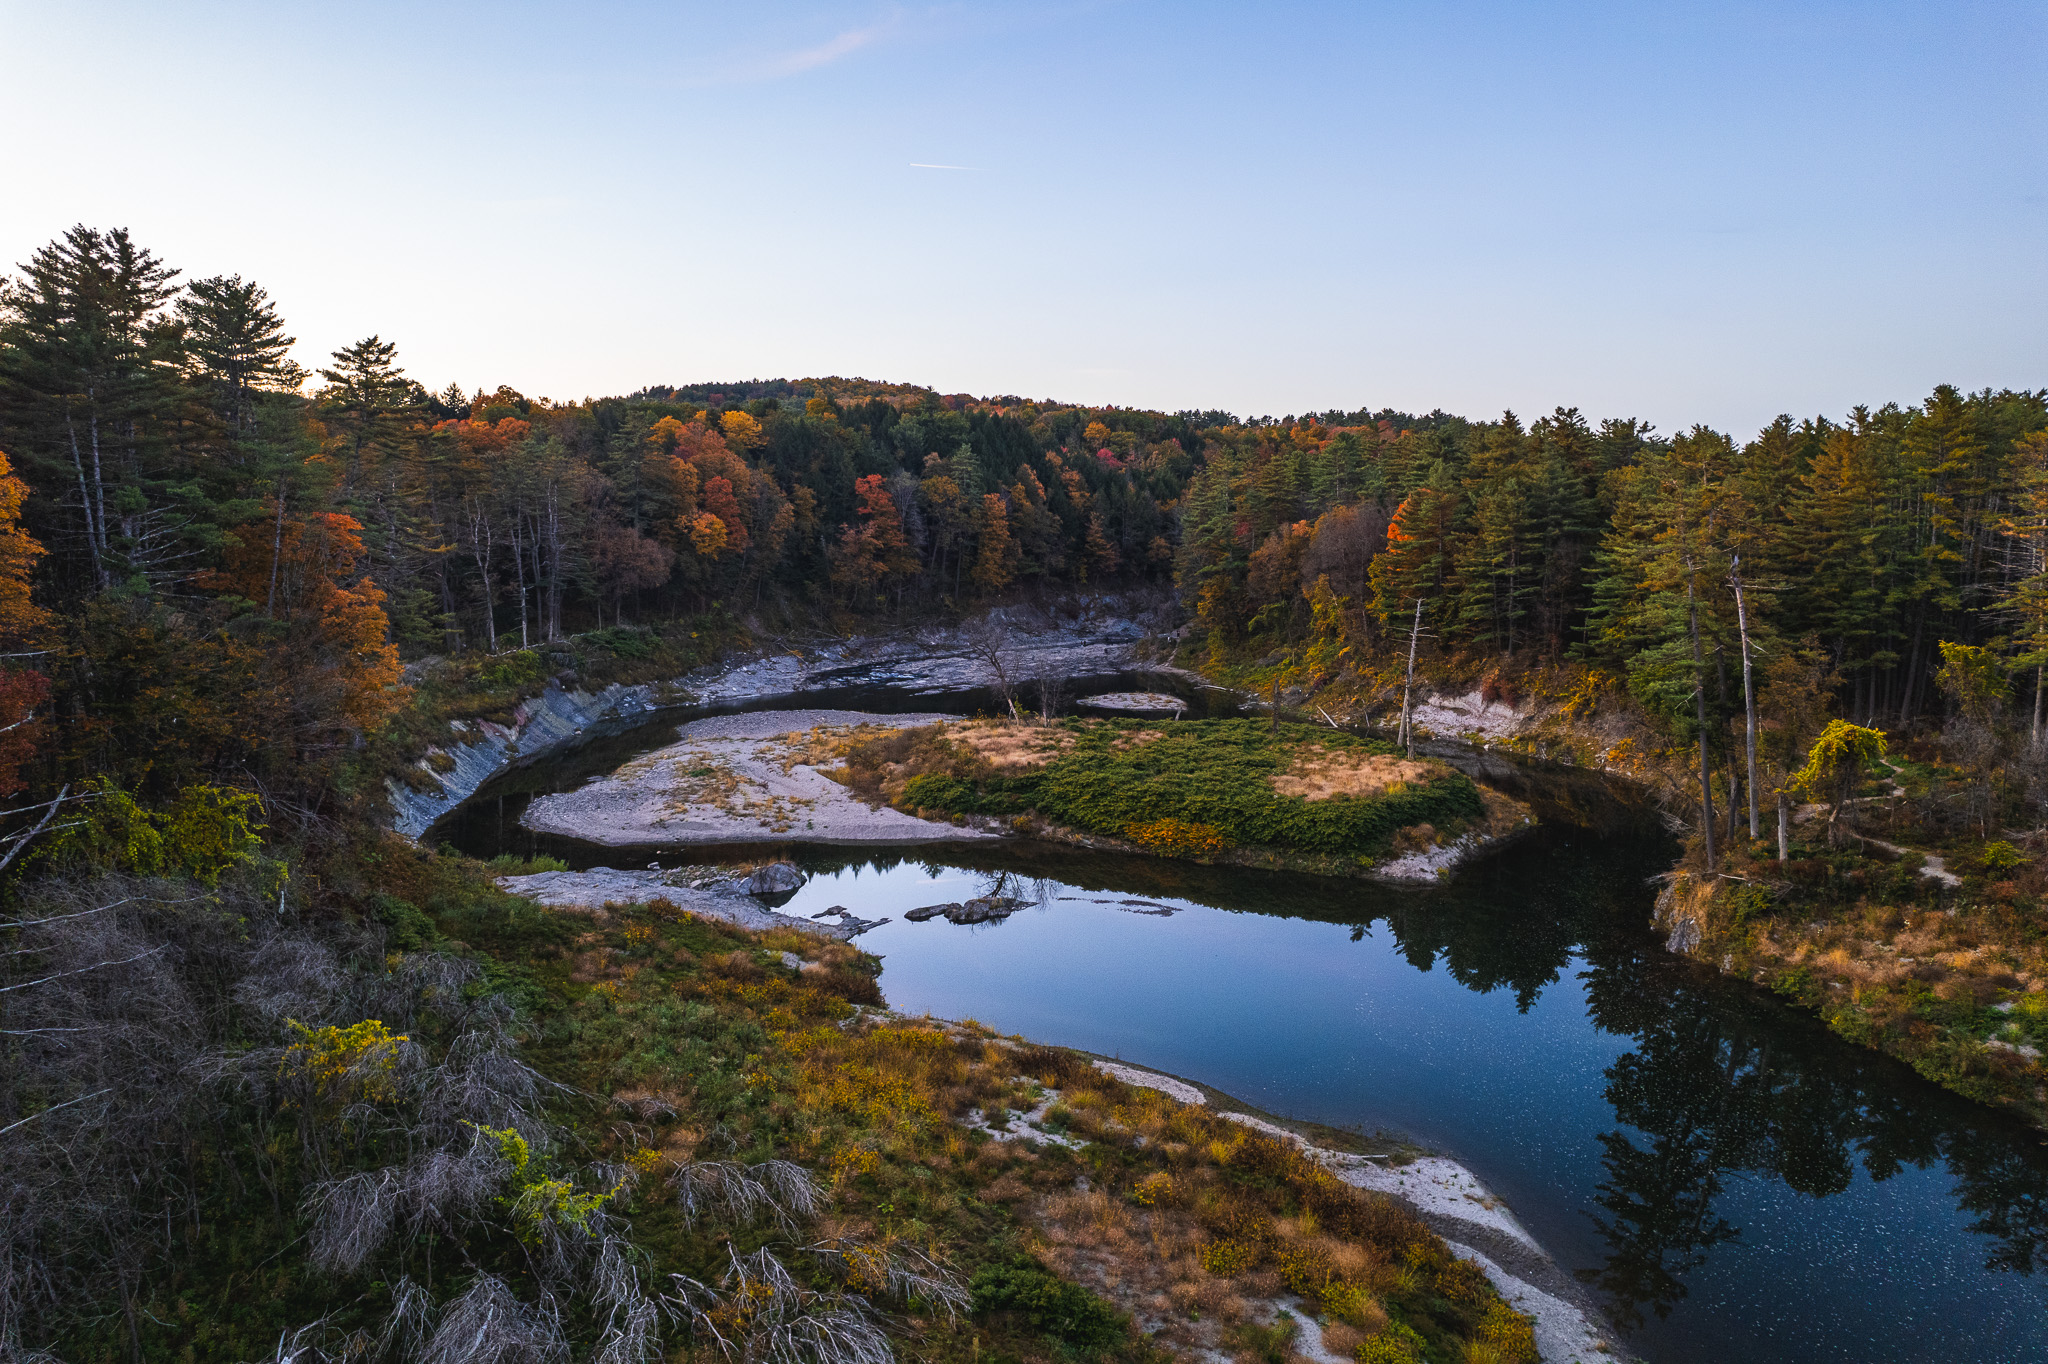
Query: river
pixel 1731 1181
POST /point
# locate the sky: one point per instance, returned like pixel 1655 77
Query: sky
pixel 1688 213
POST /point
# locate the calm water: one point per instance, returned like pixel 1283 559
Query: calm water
pixel 1732 1181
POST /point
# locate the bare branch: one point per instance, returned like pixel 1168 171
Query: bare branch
pixel 96 966
pixel 52 1109
pixel 24 840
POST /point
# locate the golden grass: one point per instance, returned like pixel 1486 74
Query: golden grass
pixel 1318 773
pixel 1008 747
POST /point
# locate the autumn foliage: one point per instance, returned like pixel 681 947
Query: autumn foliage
pixel 22 625
pixel 327 654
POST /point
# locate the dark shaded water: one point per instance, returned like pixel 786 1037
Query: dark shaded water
pixel 1734 1182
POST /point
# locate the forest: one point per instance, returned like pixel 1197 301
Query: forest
pixel 236 1007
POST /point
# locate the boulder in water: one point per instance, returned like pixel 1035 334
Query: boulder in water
pixel 918 916
pixel 984 909
pixel 777 878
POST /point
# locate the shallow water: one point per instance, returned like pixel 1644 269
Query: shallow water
pixel 1734 1182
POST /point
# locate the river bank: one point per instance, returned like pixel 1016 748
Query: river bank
pixel 1474 1222
pixel 1101 636
pixel 1444 1195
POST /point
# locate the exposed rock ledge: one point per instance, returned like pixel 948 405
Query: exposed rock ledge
pixel 590 891
pixel 556 721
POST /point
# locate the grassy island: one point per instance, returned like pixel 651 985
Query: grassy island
pixel 1230 790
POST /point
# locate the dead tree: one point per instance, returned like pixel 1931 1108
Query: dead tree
pixel 1407 732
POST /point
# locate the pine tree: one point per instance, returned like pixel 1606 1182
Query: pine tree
pixel 235 342
pixel 86 374
pixel 365 404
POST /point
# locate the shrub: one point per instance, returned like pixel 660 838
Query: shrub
pixel 1397 1344
pixel 1511 1333
pixel 1228 1257
pixel 1154 1188
pixel 1050 1305
pixel 511 864
pixel 1177 838
pixel 1999 855
pixel 1269 1343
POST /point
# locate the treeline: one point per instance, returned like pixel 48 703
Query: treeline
pixel 231 558
pixel 1832 565
pixel 236 556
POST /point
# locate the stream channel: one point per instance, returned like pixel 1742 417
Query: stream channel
pixel 1730 1180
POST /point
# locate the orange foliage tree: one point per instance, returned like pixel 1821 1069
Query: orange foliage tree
pixel 22 623
pixel 329 658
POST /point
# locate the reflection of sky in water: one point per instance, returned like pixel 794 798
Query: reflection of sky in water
pixel 1299 1018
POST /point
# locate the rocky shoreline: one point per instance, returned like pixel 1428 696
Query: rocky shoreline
pixel 1089 637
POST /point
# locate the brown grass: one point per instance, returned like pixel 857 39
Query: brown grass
pixel 1008 747
pixel 1318 773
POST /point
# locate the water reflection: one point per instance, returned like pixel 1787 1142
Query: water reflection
pixel 1722 1135
pixel 1721 1084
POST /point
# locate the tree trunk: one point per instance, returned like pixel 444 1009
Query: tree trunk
pixel 2034 735
pixel 1906 687
pixel 99 494
pixel 276 553
pixel 1784 828
pixel 519 567
pixel 1748 698
pixel 480 551
pixel 1407 733
pixel 92 538
pixel 1699 696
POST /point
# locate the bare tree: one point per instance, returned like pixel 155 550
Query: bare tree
pixel 990 642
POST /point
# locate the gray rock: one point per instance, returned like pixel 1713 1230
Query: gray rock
pixel 918 916
pixel 983 909
pixel 777 878
pixel 1685 936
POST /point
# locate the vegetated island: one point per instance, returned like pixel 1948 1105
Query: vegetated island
pixel 1239 791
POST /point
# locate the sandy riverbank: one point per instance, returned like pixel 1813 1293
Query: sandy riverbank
pixel 740 779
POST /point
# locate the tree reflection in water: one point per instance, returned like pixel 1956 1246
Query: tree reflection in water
pixel 1723 1081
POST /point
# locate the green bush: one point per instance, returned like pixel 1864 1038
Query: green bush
pixel 623 642
pixel 409 929
pixel 511 671
pixel 1397 1344
pixel 1999 856
pixel 511 864
pixel 1048 1304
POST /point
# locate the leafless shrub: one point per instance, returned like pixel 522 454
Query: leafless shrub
pixel 738 1193
pixel 447 1189
pixel 291 977
pixel 902 1272
pixel 479 1080
pixel 764 1316
pixel 412 1315
pixel 487 1324
pixel 352 1219
pixel 320 1343
pixel 631 1334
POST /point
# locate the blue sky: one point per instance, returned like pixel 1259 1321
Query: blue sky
pixel 1689 213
